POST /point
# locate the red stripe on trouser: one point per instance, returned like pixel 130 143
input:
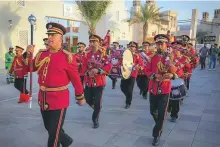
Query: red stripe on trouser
pixel 100 104
pixel 58 128
pixel 165 114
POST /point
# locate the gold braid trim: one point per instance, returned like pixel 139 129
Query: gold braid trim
pixel 19 63
pixel 69 56
pixel 39 64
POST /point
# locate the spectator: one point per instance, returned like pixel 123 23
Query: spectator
pixel 219 54
pixel 203 54
pixel 213 56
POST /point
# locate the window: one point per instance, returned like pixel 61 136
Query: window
pixel 117 15
pixel 23 37
pixel 20 3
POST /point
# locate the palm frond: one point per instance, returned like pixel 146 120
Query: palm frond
pixel 93 11
pixel 147 14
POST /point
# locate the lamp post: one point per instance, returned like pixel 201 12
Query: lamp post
pixel 32 19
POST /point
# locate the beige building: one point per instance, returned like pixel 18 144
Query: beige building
pixel 168 22
pixel 211 29
pixel 15 28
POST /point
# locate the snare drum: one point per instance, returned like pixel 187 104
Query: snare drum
pixel 178 90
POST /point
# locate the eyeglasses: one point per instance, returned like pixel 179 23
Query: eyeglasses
pixel 132 46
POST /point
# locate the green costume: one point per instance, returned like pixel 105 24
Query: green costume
pixel 9 57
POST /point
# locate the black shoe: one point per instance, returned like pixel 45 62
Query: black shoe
pixel 156 141
pixel 127 106
pixel 173 119
pixel 95 124
pixel 68 141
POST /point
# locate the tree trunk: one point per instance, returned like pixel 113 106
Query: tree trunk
pixel 145 30
pixel 92 31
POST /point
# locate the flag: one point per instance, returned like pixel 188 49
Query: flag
pixel 107 39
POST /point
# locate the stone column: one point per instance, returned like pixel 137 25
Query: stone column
pixel 194 25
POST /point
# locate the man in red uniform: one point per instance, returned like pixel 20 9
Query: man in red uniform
pixel 56 68
pixel 160 73
pixel 113 52
pixel 80 56
pixel 174 105
pixel 127 85
pixel 142 80
pixel 96 66
pixel 20 73
pixel 45 42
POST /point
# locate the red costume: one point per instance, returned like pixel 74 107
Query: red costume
pixel 19 68
pixel 55 72
pixel 102 63
pixel 80 56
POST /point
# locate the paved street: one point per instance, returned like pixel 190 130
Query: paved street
pixel 198 126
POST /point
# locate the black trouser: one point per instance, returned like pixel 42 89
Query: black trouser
pixel 187 80
pixel 53 122
pixel 127 87
pixel 158 109
pixel 20 84
pixel 93 97
pixel 114 80
pixel 142 83
pixel 82 80
pixel 202 62
pixel 174 107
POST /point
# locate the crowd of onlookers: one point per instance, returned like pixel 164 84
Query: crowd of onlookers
pixel 212 53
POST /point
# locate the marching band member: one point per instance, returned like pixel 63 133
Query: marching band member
pixel 96 66
pixel 56 68
pixel 127 85
pixel 20 70
pixel 113 50
pixel 160 72
pixel 174 105
pixel 45 42
pixel 9 56
pixel 80 56
pixel 142 80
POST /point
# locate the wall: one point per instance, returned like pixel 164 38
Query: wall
pixel 9 10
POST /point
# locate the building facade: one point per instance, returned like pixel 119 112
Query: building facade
pixel 210 30
pixel 167 22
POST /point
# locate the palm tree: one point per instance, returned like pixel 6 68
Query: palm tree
pixel 148 14
pixel 92 12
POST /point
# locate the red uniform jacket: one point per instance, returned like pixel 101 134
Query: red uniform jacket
pixel 179 64
pixel 154 67
pixel 100 61
pixel 56 70
pixel 79 59
pixel 138 65
pixel 145 61
pixel 19 67
pixel 187 69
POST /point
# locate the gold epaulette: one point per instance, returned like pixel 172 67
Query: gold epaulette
pixel 69 56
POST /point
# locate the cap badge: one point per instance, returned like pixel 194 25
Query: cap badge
pixel 50 26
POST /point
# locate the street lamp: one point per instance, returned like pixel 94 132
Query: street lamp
pixel 32 19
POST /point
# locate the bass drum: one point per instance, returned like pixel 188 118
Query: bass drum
pixel 127 64
pixel 116 60
pixel 178 90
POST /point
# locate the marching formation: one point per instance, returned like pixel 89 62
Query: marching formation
pixel 161 70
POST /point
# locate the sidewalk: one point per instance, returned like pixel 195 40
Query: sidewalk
pixel 198 126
